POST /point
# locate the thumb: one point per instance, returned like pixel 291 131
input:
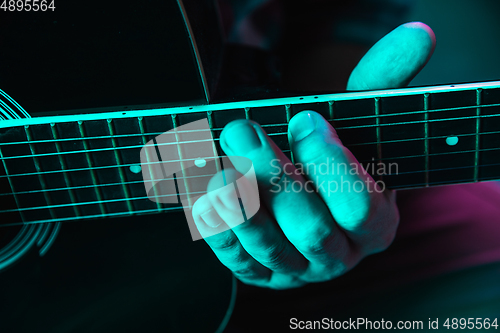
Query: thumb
pixel 395 59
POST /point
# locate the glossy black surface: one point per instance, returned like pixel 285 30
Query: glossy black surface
pixel 97 54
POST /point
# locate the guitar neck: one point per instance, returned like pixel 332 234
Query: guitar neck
pixel 87 166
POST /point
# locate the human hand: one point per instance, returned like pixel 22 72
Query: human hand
pixel 316 235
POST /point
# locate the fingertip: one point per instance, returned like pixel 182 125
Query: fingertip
pixel 302 125
pixel 426 36
pixel 240 137
pixel 422 27
pixel 305 123
pixel 395 59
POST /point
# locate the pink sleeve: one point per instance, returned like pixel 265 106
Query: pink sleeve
pixel 442 229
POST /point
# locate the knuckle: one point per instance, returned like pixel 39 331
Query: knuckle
pixel 276 173
pixel 274 257
pixel 225 242
pixel 316 245
pixel 357 210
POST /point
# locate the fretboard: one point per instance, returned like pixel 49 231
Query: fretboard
pixel 88 166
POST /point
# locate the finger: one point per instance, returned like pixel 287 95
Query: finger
pixel 395 59
pixel 346 188
pixel 260 236
pixel 231 253
pixel 226 245
pixel 300 213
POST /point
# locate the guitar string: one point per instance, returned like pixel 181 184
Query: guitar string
pixel 198 192
pixel 207 157
pixel 336 120
pixel 271 134
pixel 474 117
pixel 210 175
pixel 76 218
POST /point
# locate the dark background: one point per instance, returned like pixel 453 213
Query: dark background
pixel 98 54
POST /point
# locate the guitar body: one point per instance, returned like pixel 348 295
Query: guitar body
pixel 126 274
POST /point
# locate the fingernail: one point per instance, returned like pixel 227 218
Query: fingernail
pixel 240 137
pixel 302 125
pixel 211 218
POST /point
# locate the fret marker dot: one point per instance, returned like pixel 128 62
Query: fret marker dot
pixel 200 163
pixel 451 140
pixel 135 168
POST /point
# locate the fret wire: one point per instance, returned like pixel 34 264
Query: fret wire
pixel 119 163
pixel 101 149
pixel 378 131
pixel 210 124
pixel 331 110
pixel 90 168
pixel 145 141
pixel 478 125
pixel 418 139
pixel 417 112
pixel 199 176
pixel 117 148
pixel 288 110
pixel 277 125
pixel 203 192
pixel 434 154
pixel 39 174
pixel 426 132
pixel 122 135
pixel 63 168
pixel 182 162
pixel 282 133
pixel 285 151
pixel 476 134
pixel 171 209
pixel 16 199
pixel 270 134
pixel 98 185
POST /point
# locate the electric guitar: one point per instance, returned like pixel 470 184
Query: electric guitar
pixel 63 168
